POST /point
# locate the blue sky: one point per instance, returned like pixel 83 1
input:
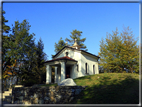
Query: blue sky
pixel 50 21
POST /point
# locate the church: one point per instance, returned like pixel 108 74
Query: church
pixel 71 62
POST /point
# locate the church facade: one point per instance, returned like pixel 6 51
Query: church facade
pixel 71 62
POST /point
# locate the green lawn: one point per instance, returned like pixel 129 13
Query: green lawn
pixel 108 88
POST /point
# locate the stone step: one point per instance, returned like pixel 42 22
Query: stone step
pixel 5 102
pixel 8 99
pixel 18 85
pixel 7 93
pixel 8 90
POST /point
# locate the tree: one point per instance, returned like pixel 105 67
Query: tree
pixel 119 53
pixel 58 46
pixel 21 56
pixel 39 58
pixel 8 66
pixel 5 42
pixel 21 47
pixel 75 34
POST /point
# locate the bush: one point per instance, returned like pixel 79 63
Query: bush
pixel 29 82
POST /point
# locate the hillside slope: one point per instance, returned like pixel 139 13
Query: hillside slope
pixel 108 88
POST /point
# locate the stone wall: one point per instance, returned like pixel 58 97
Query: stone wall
pixel 45 95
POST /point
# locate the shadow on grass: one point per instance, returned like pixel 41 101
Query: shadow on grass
pixel 117 92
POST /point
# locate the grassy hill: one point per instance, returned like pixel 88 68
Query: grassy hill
pixel 108 88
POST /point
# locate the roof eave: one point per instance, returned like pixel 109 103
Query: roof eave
pixel 74 49
pixel 60 60
pixel 90 54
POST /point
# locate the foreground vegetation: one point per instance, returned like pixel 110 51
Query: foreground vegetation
pixel 108 88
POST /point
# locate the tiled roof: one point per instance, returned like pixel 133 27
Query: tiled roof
pixel 62 58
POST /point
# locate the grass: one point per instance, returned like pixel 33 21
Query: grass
pixel 108 88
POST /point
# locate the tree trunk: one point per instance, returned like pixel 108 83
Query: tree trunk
pixel 131 70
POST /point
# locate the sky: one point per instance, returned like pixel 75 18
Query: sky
pixel 51 21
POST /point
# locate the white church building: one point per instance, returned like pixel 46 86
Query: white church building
pixel 71 62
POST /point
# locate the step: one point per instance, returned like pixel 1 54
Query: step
pixel 8 91
pixel 7 94
pixel 18 85
pixel 8 99
pixel 5 102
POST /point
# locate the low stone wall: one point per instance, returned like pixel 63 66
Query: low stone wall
pixel 45 95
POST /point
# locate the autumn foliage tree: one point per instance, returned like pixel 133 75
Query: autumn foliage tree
pixel 119 52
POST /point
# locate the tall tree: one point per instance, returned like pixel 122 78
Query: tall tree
pixel 5 41
pixel 58 46
pixel 75 34
pixel 39 58
pixel 21 46
pixel 6 64
pixel 119 53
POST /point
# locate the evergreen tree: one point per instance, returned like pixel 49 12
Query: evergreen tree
pixel 75 34
pixel 6 64
pixel 119 53
pixel 5 41
pixel 58 46
pixel 22 47
pixel 39 58
pixel 19 50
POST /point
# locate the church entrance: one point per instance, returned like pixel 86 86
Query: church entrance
pixel 67 72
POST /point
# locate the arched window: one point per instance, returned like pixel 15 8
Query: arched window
pixel 86 67
pixel 77 67
pixel 67 53
pixel 94 69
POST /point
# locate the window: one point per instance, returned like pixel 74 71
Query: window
pixel 67 53
pixel 86 67
pixel 94 69
pixel 77 67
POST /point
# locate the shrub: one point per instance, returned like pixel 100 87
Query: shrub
pixel 29 82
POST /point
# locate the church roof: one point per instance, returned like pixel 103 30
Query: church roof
pixel 76 45
pixel 61 58
pixel 75 49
